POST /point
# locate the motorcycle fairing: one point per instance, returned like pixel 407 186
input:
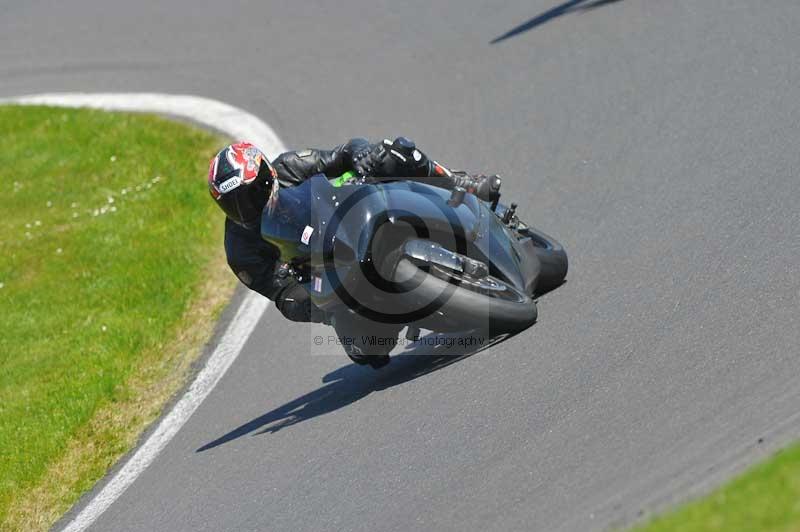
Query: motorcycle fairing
pixel 345 220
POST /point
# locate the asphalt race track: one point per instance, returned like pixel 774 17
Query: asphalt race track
pixel 657 140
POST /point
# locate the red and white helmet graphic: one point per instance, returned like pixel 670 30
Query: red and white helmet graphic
pixel 247 158
pixel 236 165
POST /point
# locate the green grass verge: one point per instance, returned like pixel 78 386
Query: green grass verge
pixel 765 498
pixel 106 240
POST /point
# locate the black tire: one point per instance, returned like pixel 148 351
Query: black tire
pixel 552 260
pixel 464 309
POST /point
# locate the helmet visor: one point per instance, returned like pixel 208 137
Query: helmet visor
pixel 244 205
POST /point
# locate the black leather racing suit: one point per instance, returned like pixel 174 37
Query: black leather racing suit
pixel 255 262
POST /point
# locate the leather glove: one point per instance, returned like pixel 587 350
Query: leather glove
pixel 399 158
pixel 366 160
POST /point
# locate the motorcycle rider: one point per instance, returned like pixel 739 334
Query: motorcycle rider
pixel 242 180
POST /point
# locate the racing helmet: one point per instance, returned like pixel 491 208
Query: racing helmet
pixel 240 179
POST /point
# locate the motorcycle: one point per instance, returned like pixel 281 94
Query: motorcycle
pixel 401 253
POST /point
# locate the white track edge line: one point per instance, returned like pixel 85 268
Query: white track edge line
pixel 238 124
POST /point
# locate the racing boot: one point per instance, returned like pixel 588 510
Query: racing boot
pixel 365 342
